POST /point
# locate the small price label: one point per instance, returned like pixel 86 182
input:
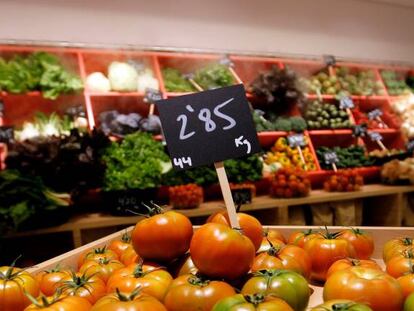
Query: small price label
pixel 375 136
pixel 359 130
pixel 1 107
pixel 6 134
pixel 330 157
pixel 296 140
pixel 226 61
pixel 152 95
pixel 346 102
pixel 218 121
pixel 374 114
pixel 329 60
pixel 410 146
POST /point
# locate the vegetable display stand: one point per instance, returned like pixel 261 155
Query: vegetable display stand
pixel 380 236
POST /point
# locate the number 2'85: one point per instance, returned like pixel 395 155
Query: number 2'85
pixel 205 115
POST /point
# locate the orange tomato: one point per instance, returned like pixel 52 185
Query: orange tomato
pixel 401 264
pixel 274 234
pixel 184 265
pixel 153 281
pixel 86 286
pixel 58 303
pixel 266 241
pixel 14 282
pixel 48 280
pixel 299 238
pixel 96 254
pixel 362 242
pixel 131 301
pixel 372 287
pixel 395 246
pixel 324 250
pixel 120 246
pixel 102 268
pixel 346 263
pixel 251 227
pixel 192 293
pixel 289 257
pixel 407 283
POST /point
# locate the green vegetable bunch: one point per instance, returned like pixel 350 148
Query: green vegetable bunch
pixel 214 76
pixel 38 71
pixel 238 171
pixel 275 123
pixel 353 156
pixel 320 115
pixel 22 198
pixel 175 82
pixel 136 163
pixel 395 83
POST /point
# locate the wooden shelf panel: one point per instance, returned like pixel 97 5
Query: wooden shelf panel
pixel 100 220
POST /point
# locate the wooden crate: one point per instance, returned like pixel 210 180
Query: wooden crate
pixel 380 235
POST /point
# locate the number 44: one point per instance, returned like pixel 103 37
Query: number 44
pixel 182 161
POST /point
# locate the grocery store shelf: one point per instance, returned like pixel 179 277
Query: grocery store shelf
pixel 281 206
pixel 116 94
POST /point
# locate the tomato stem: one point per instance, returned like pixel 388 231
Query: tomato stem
pixel 126 238
pixel 131 296
pixel 254 299
pixel 198 280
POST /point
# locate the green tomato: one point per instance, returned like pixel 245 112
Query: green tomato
pixel 287 285
pixel 341 305
pixel 409 303
pixel 256 302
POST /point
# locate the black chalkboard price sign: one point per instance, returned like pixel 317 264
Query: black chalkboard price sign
pixel 208 127
pixel 6 134
pixel 329 60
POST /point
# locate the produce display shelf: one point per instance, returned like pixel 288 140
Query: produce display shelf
pixel 20 108
pixel 379 234
pixel 388 206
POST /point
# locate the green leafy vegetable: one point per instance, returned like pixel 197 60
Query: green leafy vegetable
pixel 38 71
pixel 135 163
pixel 214 76
pixel 175 82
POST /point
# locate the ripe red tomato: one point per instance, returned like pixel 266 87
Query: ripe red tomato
pixel 395 246
pixel 48 280
pixel 407 283
pixel 219 251
pixel 120 246
pixel 192 293
pixel 287 285
pixel 362 242
pixel 162 237
pixel 300 237
pixel 59 303
pixel 324 250
pixel 130 256
pixel 289 257
pixel 86 286
pixel 251 227
pixel 132 301
pixel 257 302
pixel 102 269
pixel 266 241
pixel 152 280
pixel 372 287
pixel 14 282
pixel 401 264
pixel 96 254
pixel 346 263
pixel 274 234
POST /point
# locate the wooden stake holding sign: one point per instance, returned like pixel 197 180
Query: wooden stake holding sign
pixel 377 137
pixel 331 158
pixel 209 127
pixel 190 78
pixel 298 141
pixel 376 115
pixel 346 103
pixel 151 96
pixel 226 61
pixel 330 61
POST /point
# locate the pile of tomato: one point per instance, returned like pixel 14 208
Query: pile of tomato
pixel 289 183
pixel 186 196
pixel 165 265
pixel 344 181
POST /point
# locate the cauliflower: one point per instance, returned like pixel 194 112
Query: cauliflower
pixel 97 82
pixel 123 77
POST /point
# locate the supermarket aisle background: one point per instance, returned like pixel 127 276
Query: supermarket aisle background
pixel 364 29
